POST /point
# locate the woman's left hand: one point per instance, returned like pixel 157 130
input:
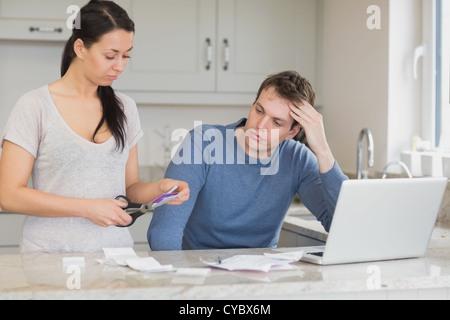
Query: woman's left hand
pixel 183 190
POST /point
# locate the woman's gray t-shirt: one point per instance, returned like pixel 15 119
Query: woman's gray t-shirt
pixel 68 165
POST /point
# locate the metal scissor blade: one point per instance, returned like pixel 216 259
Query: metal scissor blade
pixel 136 210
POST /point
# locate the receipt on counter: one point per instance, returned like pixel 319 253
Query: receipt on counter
pixel 263 263
pixel 191 276
pixel 118 256
pixel 288 256
pixel 126 257
pixel 148 265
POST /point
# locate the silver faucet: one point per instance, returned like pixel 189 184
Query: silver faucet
pixel 370 149
pixel 401 164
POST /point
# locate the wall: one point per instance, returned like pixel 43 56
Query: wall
pixel 367 78
pixel 163 120
pixel 25 66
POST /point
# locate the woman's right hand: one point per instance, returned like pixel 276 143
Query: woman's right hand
pixel 107 212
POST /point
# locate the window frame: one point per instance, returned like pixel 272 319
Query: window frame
pixel 429 77
pixel 434 93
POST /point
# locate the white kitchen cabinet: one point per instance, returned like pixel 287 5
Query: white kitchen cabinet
pixel 11 232
pixel 41 20
pixel 261 37
pixel 37 20
pixel 191 52
pixel 172 46
pixel 218 46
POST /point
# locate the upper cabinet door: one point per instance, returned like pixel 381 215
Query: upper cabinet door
pixel 37 20
pixel 261 37
pixel 173 46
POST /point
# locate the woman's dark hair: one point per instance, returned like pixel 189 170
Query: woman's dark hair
pixel 291 86
pixel 96 19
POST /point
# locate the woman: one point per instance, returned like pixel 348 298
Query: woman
pixel 77 139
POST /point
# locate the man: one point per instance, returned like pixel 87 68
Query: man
pixel 243 177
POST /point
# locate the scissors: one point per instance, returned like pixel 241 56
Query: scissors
pixel 136 210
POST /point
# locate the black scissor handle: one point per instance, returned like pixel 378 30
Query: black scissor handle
pixel 130 206
pixel 134 217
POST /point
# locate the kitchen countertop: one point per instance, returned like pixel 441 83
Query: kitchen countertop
pixel 44 277
pixel 300 220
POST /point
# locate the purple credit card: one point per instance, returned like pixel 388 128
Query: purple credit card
pixel 164 197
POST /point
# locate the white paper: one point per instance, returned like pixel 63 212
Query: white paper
pixel 289 256
pixel 263 263
pixel 191 276
pixel 148 265
pixel 118 256
pixel 126 257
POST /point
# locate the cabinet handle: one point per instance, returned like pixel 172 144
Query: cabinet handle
pixel 209 54
pixel 226 55
pixel 46 29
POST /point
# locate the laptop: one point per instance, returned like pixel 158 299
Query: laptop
pixel 379 220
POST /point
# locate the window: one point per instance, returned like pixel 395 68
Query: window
pixel 442 91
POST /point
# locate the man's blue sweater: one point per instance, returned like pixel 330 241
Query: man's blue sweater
pixel 237 201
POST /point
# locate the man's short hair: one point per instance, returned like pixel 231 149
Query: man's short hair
pixel 290 85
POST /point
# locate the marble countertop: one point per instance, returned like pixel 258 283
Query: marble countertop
pixel 51 277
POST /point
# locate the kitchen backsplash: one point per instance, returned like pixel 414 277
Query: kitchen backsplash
pixel 160 122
